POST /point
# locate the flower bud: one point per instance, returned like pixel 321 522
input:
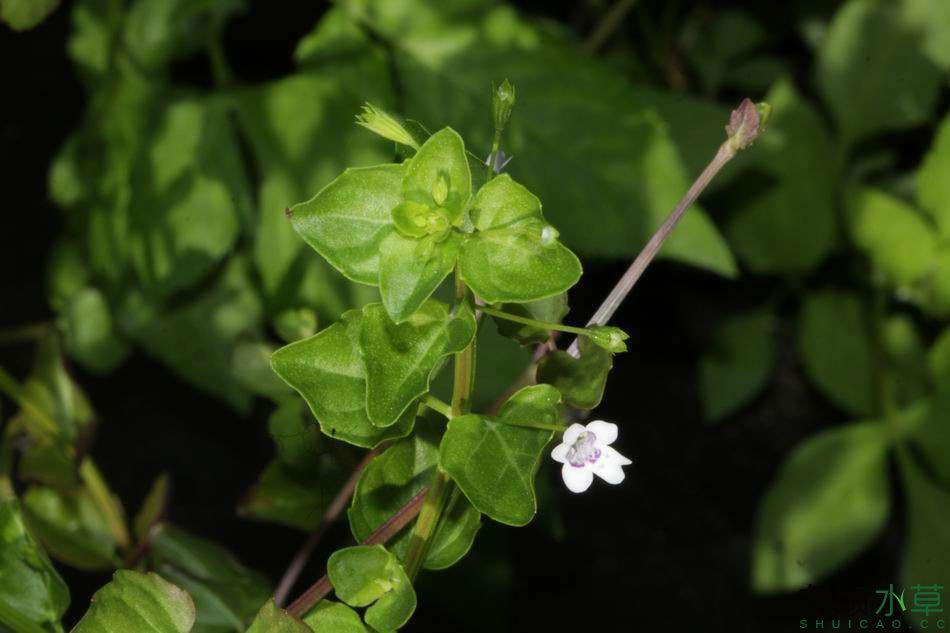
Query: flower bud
pixel 382 123
pixel 746 123
pixel 608 337
pixel 503 100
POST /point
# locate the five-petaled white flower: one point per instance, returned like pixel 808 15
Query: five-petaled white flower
pixel 586 451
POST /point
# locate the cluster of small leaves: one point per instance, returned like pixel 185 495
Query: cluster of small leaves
pixel 832 191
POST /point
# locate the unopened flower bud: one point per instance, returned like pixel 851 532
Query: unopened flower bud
pixel 608 337
pixel 382 123
pixel 746 123
pixel 503 100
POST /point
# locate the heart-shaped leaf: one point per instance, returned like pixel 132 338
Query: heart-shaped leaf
pixel 145 603
pixel 369 575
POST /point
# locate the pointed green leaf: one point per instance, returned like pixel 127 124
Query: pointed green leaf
pixel 494 462
pixel 30 588
pixel 348 219
pixel 71 527
pixel 272 619
pixel 334 617
pixel 411 269
pixel 895 237
pixel 829 502
pixel 368 575
pixel 326 369
pixel 226 593
pixel 872 71
pixel 145 603
pixel 834 343
pixel 737 366
pixel 395 477
pixel 581 381
pixel 153 508
pixel 399 358
pixel 438 175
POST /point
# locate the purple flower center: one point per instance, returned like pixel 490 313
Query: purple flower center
pixel 584 451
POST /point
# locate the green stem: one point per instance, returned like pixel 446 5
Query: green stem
pixel 429 516
pixel 613 19
pixel 102 497
pixel 437 405
pixel 25 333
pixel 464 379
pixel 495 146
pixel 220 69
pixel 544 325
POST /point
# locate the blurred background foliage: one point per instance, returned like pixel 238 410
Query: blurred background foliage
pixel 828 244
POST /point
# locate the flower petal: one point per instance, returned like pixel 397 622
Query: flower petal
pixel 606 432
pixel 559 453
pixel 610 466
pixel 572 433
pixel 577 478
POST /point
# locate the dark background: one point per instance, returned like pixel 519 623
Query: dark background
pixel 668 550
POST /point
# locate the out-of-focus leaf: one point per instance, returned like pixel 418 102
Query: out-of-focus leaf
pixel 715 43
pixel 30 589
pixel 294 324
pixel 898 241
pixel 834 343
pixel 933 186
pixel 71 527
pixel 930 19
pixel 931 432
pixel 89 43
pixel 494 461
pixel 326 369
pixel 67 273
pixel 196 340
pixel 368 575
pixel 55 395
pixel 289 497
pixel 226 593
pixel 737 366
pixel 907 357
pixel 272 619
pixel 581 381
pixel 89 331
pixel 550 310
pixel 334 617
pixel 604 167
pixel 22 15
pixel 153 507
pixel 789 227
pixel 295 436
pixel 251 368
pixel 145 603
pixel 830 500
pixel 391 480
pixel 926 559
pixel 290 124
pixel 873 72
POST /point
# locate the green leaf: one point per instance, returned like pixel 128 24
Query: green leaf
pixel 737 366
pixel 898 241
pixel 930 20
pixel 52 391
pixel 605 167
pixel 494 462
pixel 23 15
pixel 411 269
pixel 873 73
pixel 399 358
pixel 517 264
pixel 227 594
pixel 789 228
pixel 272 619
pixel 153 507
pixel 282 495
pixel 89 332
pixel 296 439
pixel 907 356
pixel 830 500
pixel 348 219
pixel 933 188
pixel 138 602
pixel 295 323
pixel 196 340
pixel 934 291
pixel 30 588
pixel 927 548
pixel 326 369
pixel 395 477
pixel 438 175
pixel 334 617
pixel 553 309
pixel 581 381
pixel 71 527
pixel 369 575
pixel 932 434
pixel 834 343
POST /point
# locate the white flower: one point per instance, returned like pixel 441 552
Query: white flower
pixel 586 451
